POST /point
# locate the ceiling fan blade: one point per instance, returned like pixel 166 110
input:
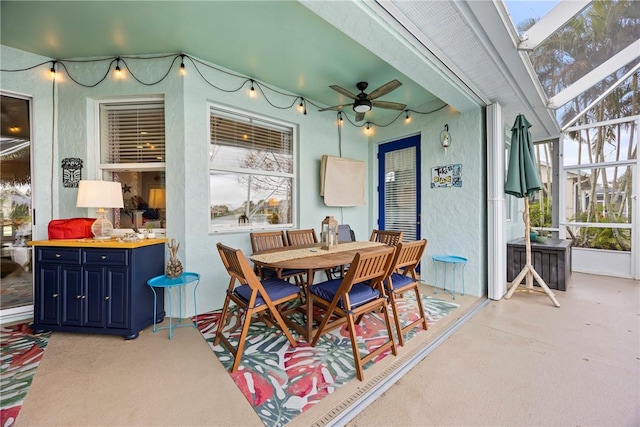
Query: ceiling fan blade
pixel 343 91
pixel 359 117
pixel 385 89
pixel 388 105
pixel 336 107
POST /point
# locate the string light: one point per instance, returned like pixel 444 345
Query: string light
pixel 118 71
pixel 52 71
pixel 367 129
pixel 301 105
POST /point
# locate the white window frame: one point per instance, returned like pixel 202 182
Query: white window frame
pixel 231 112
pixel 95 149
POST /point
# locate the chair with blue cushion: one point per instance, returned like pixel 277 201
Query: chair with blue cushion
pixel 402 278
pixel 252 295
pixel 345 299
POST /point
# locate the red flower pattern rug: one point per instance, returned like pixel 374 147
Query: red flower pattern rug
pixel 280 381
pixel 20 355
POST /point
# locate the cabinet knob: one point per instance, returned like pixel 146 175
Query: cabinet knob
pixel 106 298
pixel 103 257
pixel 58 255
pixel 54 295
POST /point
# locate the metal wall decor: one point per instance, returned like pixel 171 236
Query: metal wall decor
pixel 446 176
pixel 71 172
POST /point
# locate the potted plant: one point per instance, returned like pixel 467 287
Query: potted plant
pixel 149 231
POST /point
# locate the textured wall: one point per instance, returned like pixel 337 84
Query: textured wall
pixel 453 219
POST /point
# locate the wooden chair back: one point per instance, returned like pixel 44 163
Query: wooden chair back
pixel 302 237
pixel 264 240
pixel 402 278
pixel 388 237
pixel 255 301
pixel 408 255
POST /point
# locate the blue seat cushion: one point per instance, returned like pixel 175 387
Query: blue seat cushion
pixel 398 281
pixel 360 293
pixel 276 289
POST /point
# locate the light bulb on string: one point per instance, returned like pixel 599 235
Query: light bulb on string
pixel 252 91
pixel 118 71
pixel 367 129
pixel 52 71
pixel 183 71
pixel 407 119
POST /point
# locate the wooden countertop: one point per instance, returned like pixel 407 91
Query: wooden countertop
pixel 90 243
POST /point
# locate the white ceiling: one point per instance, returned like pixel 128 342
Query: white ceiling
pixel 462 53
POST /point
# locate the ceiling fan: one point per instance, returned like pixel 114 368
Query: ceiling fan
pixel 365 102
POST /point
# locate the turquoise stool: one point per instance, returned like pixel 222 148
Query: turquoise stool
pixel 453 260
pixel 168 283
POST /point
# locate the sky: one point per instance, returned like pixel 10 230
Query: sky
pixel 523 9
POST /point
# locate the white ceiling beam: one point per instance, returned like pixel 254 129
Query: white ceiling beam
pixel 551 22
pixel 610 66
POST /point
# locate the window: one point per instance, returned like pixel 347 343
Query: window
pixel 251 172
pixel 132 152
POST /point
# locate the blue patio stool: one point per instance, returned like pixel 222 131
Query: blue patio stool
pixel 453 260
pixel 169 283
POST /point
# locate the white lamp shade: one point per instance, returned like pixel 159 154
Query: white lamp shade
pixel 157 198
pixel 99 194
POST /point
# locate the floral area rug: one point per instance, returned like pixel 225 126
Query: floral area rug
pixel 280 381
pixel 20 355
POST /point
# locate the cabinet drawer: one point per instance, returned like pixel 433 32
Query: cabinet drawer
pixel 105 257
pixel 59 255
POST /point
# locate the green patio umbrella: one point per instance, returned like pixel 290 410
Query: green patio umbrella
pixel 522 181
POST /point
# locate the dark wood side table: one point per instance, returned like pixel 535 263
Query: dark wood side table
pixel 551 260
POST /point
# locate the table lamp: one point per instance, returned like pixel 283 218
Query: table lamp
pixel 101 195
pixel 158 200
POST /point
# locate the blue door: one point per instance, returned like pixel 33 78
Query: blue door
pixel 399 186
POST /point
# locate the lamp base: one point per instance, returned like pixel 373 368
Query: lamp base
pixel 102 228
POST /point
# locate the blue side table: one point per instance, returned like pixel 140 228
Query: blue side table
pixel 453 260
pixel 168 283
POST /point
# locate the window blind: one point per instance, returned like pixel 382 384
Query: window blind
pixel 400 192
pixel 134 133
pixel 249 133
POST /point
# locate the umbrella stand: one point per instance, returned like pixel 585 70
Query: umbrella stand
pixel 528 271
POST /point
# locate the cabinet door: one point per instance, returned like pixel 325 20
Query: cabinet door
pixel 47 304
pixel 117 297
pixel 72 293
pixel 93 297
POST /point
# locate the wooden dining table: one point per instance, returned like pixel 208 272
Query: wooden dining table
pixel 310 258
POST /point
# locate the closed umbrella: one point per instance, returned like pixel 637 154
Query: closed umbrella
pixel 522 182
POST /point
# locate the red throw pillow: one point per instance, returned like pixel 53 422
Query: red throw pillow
pixel 72 228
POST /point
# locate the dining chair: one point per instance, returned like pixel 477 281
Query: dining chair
pixel 345 234
pixel 346 299
pixel 264 240
pixel 253 296
pixel 305 237
pixel 406 258
pixel 387 237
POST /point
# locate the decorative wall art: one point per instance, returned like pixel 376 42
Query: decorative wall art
pixel 71 172
pixel 446 176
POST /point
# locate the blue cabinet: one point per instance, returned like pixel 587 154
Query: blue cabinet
pixel 96 290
